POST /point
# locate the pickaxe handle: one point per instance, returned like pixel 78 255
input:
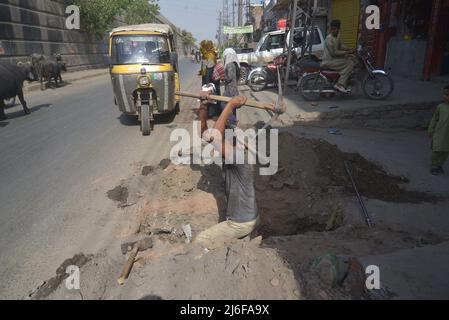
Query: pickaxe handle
pixel 128 266
pixel 249 103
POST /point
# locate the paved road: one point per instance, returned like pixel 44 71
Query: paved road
pixel 56 166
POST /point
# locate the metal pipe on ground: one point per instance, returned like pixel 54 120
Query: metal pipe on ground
pixel 368 220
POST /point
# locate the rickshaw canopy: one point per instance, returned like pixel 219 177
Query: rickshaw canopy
pixel 149 27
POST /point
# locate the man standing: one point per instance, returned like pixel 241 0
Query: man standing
pixel 242 213
pixel 337 56
pixel 439 132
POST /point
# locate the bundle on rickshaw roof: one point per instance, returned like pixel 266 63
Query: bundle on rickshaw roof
pixel 149 27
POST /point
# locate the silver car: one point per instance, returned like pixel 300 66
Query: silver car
pixel 271 45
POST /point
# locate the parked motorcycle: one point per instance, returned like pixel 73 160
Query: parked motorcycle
pixel 376 84
pixel 260 78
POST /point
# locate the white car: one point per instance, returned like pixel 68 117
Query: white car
pixel 271 45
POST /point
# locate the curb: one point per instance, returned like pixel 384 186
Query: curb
pixel 369 112
pixel 408 116
pixel 37 86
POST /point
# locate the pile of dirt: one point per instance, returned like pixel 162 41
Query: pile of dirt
pixel 371 179
pixel 187 195
pixel 302 211
pixel 312 182
pixel 328 162
pixel 119 194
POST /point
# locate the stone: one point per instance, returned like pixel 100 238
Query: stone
pixel 290 181
pixel 256 241
pixel 277 185
pixel 297 293
pixel 275 282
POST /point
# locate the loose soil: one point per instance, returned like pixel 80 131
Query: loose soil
pixel 303 216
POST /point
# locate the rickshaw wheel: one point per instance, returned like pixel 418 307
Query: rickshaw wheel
pixel 146 124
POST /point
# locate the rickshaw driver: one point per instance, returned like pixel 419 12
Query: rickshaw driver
pixel 150 48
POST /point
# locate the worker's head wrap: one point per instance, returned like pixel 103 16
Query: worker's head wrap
pixel 230 56
pixel 208 51
pixel 209 45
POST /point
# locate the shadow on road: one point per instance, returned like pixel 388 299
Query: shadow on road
pixel 133 121
pixel 165 118
pixel 127 120
pixel 20 113
pixel 60 85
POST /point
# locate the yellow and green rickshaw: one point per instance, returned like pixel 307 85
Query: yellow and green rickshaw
pixel 144 71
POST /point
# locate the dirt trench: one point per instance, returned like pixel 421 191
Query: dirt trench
pixel 303 216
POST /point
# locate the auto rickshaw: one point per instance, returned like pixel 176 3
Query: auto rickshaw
pixel 144 72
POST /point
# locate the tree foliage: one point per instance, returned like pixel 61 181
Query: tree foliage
pixel 97 16
pixel 187 39
pixel 140 11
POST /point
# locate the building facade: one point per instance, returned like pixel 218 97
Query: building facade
pixel 277 12
pixel 413 40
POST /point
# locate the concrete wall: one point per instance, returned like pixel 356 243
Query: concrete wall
pixel 38 26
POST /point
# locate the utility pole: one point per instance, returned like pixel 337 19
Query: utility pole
pixel 248 11
pixel 225 18
pixel 240 18
pixel 290 42
pixel 233 13
pixel 220 28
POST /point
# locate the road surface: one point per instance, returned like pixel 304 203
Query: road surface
pixel 57 165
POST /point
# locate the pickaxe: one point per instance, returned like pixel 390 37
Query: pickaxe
pixel 138 246
pixel 275 109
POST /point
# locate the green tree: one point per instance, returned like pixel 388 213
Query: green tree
pixel 188 40
pixel 97 16
pixel 141 11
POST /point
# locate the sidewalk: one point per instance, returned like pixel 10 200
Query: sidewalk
pixel 70 77
pixel 411 99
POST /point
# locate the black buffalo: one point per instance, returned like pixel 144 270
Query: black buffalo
pixel 48 69
pixel 11 84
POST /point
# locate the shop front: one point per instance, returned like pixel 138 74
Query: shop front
pixel 414 39
pixel 348 12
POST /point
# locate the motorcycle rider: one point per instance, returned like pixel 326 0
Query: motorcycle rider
pixel 338 57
